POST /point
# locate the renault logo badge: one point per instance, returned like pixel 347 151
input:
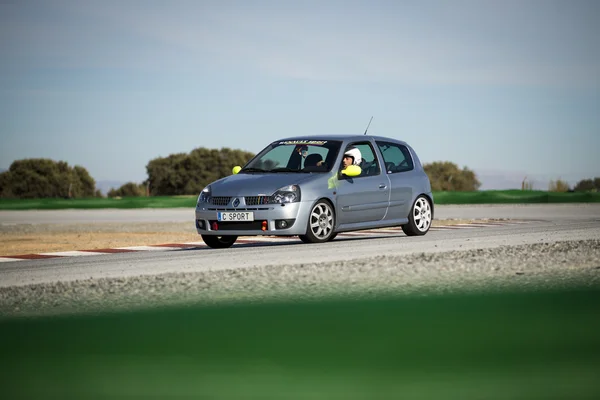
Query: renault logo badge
pixel 236 202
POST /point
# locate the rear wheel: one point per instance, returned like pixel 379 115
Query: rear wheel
pixel 419 219
pixel 321 221
pixel 219 242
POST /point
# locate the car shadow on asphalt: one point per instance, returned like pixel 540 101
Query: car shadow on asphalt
pixel 287 242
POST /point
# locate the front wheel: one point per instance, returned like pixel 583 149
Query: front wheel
pixel 321 221
pixel 305 239
pixel 219 242
pixel 419 219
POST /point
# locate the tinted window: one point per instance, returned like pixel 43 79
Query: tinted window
pixel 396 157
pixel 297 155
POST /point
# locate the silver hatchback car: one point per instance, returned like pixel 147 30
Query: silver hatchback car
pixel 315 187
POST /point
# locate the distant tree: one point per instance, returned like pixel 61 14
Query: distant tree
pixel 447 176
pixel 83 185
pixel 526 184
pixel 5 184
pixel 43 178
pixel 167 175
pixel 587 185
pixel 183 173
pixel 558 186
pixel 128 189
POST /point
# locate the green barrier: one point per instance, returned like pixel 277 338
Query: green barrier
pixel 99 203
pixel 495 346
pixel 480 197
pixel 514 197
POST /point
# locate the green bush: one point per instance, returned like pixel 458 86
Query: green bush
pixel 447 176
pixel 44 178
pixel 588 185
pixel 181 173
pixel 129 189
pixel 558 186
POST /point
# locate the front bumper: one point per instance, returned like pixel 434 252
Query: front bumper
pixel 295 214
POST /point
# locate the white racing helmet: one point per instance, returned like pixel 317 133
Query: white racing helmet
pixel 355 154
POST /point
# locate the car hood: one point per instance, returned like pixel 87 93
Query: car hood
pixel 256 183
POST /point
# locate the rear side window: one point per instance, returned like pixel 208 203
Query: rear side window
pixel 397 157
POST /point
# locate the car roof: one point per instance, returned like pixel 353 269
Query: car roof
pixel 351 138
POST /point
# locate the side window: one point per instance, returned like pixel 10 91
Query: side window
pixel 368 163
pixel 396 157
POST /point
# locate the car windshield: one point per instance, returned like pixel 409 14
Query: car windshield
pixel 295 156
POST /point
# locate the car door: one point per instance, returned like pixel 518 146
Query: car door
pixel 399 167
pixel 363 198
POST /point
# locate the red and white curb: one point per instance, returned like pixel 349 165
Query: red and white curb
pixel 243 240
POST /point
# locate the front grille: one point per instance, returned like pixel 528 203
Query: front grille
pixel 220 200
pixel 238 226
pixel 256 200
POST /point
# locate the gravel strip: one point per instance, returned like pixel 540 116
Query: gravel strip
pixel 529 267
pixel 99 227
pixel 181 227
pixel 19 239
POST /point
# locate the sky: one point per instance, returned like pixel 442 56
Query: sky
pixel 507 88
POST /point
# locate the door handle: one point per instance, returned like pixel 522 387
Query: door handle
pixel 382 186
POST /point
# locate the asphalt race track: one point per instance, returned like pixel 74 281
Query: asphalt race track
pixel 539 223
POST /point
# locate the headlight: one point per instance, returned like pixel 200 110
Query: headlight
pixel 287 194
pixel 205 195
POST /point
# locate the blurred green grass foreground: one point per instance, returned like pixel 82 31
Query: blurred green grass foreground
pixel 475 197
pixel 534 345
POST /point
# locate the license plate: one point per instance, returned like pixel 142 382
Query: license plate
pixel 235 216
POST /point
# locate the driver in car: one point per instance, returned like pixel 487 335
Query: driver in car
pixel 352 156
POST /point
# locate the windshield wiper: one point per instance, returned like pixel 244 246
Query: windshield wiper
pixel 250 169
pixel 285 170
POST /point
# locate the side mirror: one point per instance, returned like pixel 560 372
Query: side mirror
pixel 352 170
pixel 236 169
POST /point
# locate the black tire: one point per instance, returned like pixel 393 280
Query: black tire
pixel 305 239
pixel 219 242
pixel 321 221
pixel 420 217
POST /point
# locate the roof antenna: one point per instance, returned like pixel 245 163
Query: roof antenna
pixel 369 125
